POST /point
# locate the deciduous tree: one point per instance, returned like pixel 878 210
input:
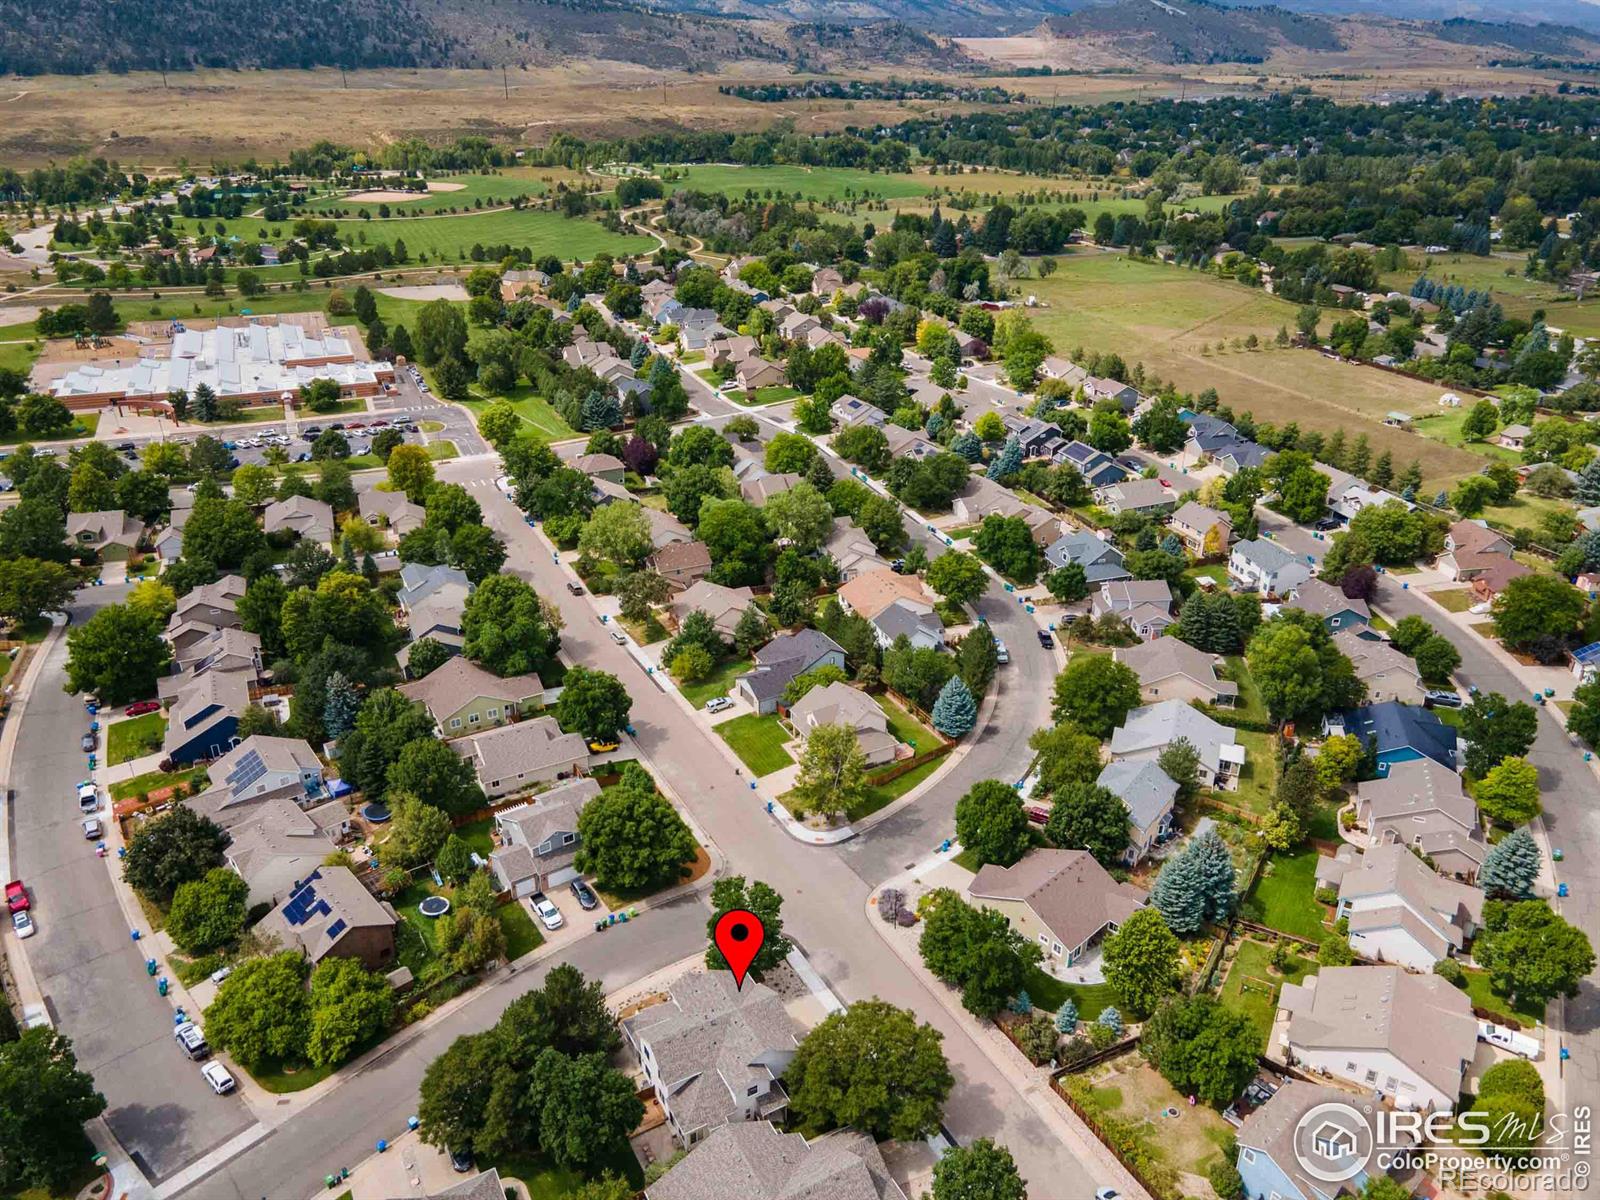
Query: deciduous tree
pixel 871 1067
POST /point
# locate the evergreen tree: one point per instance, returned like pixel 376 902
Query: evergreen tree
pixel 1111 1019
pixel 600 412
pixel 1214 872
pixel 340 708
pixel 1067 1016
pixel 1383 470
pixel 1511 866
pixel 954 712
pixel 1008 461
pixel 1588 489
pixel 967 445
pixel 204 405
pixel 752 630
pixel 1178 896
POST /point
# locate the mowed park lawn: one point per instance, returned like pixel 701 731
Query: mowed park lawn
pixel 134 737
pixel 464 191
pixel 450 237
pixel 1252 984
pixel 1163 315
pixel 1284 898
pixel 813 183
pixel 758 741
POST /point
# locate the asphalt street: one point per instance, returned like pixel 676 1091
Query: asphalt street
pixel 343 1127
pixel 1567 787
pixel 91 974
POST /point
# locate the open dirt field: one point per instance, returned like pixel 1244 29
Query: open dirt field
pixel 384 197
pixel 1173 319
pixel 427 291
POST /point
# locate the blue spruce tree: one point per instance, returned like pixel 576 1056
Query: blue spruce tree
pixel 954 712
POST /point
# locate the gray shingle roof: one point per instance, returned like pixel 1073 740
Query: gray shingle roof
pixel 1145 788
pixel 753 1161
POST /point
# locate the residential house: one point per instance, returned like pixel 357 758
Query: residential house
pixel 1423 805
pixel 1038 439
pixel 714 1053
pixel 215 650
pixel 1348 498
pixel 912 619
pixel 486 1185
pixel 1398 733
pixel 1144 496
pixel 853 551
pixel 1101 561
pixel 1338 611
pixel 515 757
pixel 1235 456
pixel 1388 674
pixel 1205 532
pixel 769 1165
pixel 870 592
pixel 841 704
pixel 1149 793
pixel 1056 367
pixel 1063 900
pixel 665 529
pixel 539 840
pixel 1513 437
pixel 1043 524
pixel 1143 605
pixel 331 915
pixel 463 697
pixel 735 348
pixel 1382 1029
pixel 796 325
pixel 600 466
pixel 1096 389
pixel 203 717
pixel 981 497
pixel 1398 910
pixel 848 410
pixel 724 605
pixel 1097 468
pixel 1279 1150
pixel 421 584
pixel 259 770
pixel 782 660
pixel 390 510
pixel 438 620
pixel 311 520
pixel 1170 669
pixel 1208 434
pixel 276 844
pixel 202 612
pixel 760 488
pixel 112 535
pixel 826 282
pixel 1479 556
pixel 1257 565
pixel 903 443
pixel 1149 730
pixel 681 563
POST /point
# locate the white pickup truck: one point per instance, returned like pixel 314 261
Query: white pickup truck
pixel 1508 1039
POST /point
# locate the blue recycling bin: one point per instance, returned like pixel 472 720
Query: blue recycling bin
pixel 1561 890
pixel 150 967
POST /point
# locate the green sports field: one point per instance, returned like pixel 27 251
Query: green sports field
pixel 493 190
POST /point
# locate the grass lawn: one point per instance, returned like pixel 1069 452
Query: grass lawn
pixel 906 727
pixel 880 794
pixel 535 410
pixel 543 1180
pixel 493 190
pixel 813 183
pixel 1453 599
pixel 450 238
pixel 1484 997
pixel 1216 572
pixel 1252 985
pixel 1250 705
pixel 477 835
pixel 963 531
pixel 718 683
pixel 1049 993
pixel 646 632
pixel 134 737
pixel 776 394
pixel 522 935
pixel 154 781
pixel 758 741
pixel 1131 1091
pixel 280 1079
pixel 1258 779
pixel 1285 895
pixel 5 665
pixel 1324 823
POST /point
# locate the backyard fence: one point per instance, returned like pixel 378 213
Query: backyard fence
pixel 1167 1188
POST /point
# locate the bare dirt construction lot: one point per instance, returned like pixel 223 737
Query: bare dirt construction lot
pixel 1174 320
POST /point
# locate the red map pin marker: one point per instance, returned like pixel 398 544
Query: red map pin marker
pixel 739 935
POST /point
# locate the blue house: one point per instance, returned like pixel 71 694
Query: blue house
pixel 203 720
pixel 1277 1156
pixel 1398 733
pixel 1098 469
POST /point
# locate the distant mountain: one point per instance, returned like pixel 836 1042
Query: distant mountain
pixel 1195 31
pixel 1579 13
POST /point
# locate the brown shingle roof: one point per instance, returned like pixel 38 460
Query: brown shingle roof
pixel 1072 894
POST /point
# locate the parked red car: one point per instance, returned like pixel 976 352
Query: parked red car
pixel 17 896
pixel 142 707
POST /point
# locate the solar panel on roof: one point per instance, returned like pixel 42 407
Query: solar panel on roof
pixel 250 769
pixel 336 929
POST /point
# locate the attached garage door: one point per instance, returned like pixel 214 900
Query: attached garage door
pixel 563 876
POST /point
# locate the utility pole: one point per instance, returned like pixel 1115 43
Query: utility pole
pixel 505 81
pixel 344 81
